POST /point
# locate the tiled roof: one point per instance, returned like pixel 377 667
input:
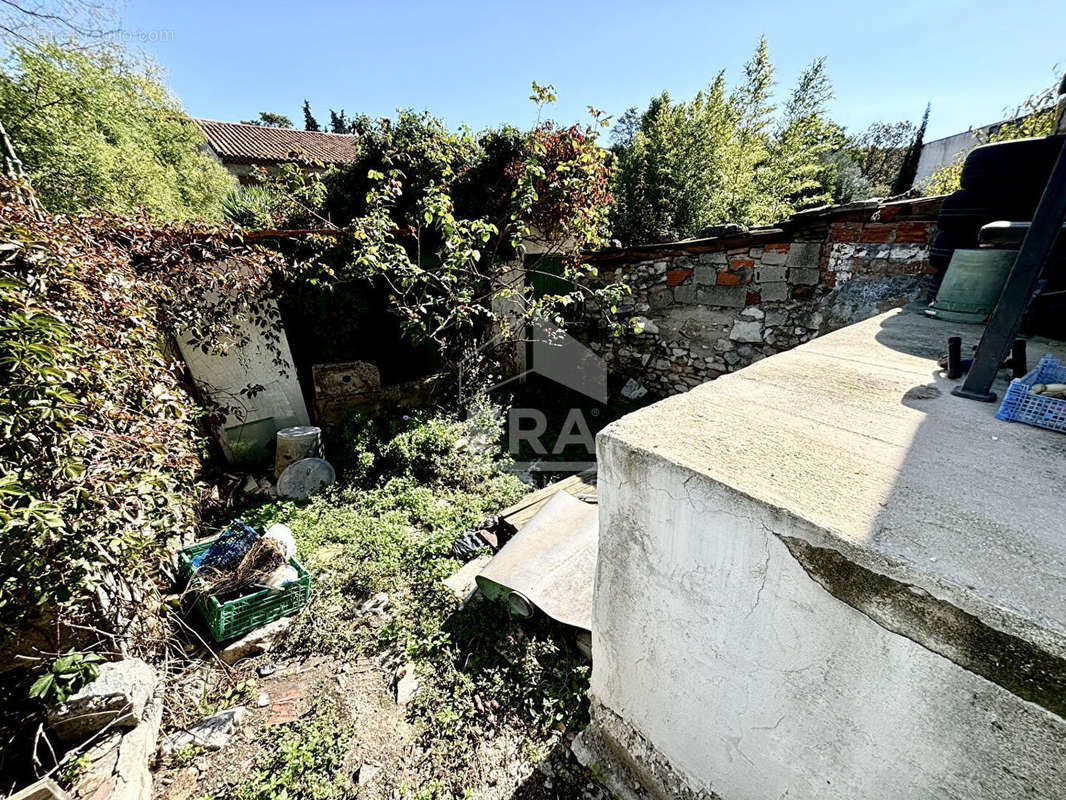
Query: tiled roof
pixel 236 142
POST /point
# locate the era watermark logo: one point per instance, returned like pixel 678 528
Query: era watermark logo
pixel 559 357
pixel 530 425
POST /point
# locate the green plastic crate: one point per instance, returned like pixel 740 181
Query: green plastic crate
pixel 242 614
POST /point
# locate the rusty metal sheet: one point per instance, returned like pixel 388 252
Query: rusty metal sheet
pixel 550 562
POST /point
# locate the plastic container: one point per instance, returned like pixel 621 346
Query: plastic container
pixel 305 477
pixel 972 285
pixel 229 618
pixel 1021 405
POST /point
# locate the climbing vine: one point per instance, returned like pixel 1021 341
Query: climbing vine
pixel 100 435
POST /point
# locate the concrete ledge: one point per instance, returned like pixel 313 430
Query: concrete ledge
pixel 856 438
pixel 825 577
pixel 1015 664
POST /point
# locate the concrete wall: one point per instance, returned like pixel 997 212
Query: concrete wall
pixel 728 664
pixel 943 152
pixel 248 431
pixel 712 306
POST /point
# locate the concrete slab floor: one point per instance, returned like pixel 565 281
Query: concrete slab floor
pixel 856 436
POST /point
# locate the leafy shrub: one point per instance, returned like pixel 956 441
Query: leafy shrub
pixel 353 447
pixel 249 206
pixel 417 144
pixel 96 129
pixel 426 452
pixel 439 217
pixel 436 449
pixel 100 439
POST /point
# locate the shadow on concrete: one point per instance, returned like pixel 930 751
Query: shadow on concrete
pixel 916 508
pixel 975 513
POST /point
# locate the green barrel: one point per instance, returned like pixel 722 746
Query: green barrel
pixel 972 285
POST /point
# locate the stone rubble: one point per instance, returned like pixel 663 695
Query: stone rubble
pixel 118 763
pixel 406 684
pixel 210 733
pixel 260 640
pixel 117 697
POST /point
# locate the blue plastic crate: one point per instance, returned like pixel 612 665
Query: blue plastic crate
pixel 1021 405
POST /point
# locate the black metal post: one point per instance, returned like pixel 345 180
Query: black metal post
pixel 1019 361
pixel 1003 325
pixel 954 358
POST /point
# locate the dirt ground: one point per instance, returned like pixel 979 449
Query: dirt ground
pixel 385 757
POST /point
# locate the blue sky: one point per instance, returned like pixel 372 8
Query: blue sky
pixel 472 62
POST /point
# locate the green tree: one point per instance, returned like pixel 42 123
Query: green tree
pixel 878 153
pixel 97 129
pixel 268 119
pixel 310 123
pixel 339 123
pixel 723 156
pixel 626 128
pixel 646 185
pixel 752 102
pixel 794 175
pixel 909 168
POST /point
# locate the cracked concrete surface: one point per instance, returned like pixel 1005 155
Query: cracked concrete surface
pixel 815 581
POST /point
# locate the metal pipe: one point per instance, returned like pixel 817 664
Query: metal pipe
pixel 954 358
pixel 520 605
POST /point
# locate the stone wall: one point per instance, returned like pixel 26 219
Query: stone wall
pixel 705 307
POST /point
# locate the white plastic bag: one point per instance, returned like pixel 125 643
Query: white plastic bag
pixel 283 536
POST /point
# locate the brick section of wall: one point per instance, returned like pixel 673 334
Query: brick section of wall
pixel 711 306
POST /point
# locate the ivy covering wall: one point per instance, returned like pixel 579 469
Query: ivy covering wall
pixel 100 438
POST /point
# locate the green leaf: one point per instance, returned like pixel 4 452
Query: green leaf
pixel 42 685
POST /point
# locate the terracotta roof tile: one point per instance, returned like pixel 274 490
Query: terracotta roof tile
pixel 256 144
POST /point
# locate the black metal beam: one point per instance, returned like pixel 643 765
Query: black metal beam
pixel 1002 327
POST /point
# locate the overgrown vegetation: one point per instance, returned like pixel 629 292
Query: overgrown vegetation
pixel 97 130
pixel 736 155
pixel 724 156
pixel 389 529
pixel 434 222
pixel 410 486
pixel 101 438
pixel 303 760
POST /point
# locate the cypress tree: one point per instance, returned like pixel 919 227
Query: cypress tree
pixel 310 123
pixel 908 170
pixel 338 123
